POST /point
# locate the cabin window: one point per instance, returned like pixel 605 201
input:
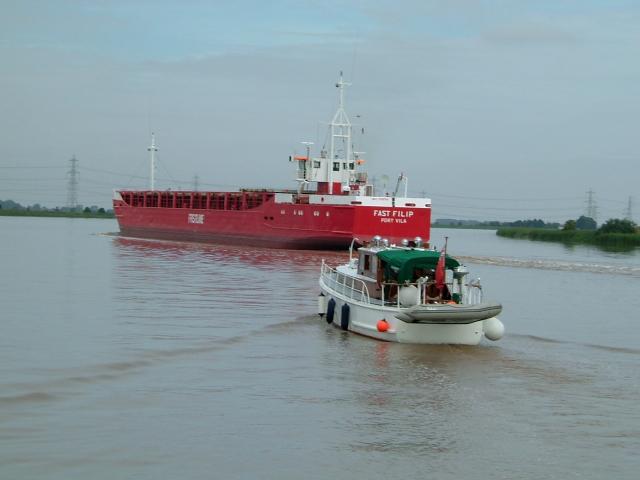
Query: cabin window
pixel 367 262
pixel 316 164
pixel 336 166
pixel 344 165
pixel 352 166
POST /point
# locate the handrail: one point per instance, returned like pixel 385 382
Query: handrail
pixel 357 289
pixel 349 286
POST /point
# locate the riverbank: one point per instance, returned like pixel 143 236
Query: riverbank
pixel 607 240
pixel 35 213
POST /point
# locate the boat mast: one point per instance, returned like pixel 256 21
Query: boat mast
pixel 152 148
pixel 340 132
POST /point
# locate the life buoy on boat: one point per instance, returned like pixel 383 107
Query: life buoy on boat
pixel 331 310
pixel 344 317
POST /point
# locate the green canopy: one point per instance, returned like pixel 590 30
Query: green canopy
pixel 404 262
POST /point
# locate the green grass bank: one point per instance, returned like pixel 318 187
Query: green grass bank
pixel 573 237
pixel 35 213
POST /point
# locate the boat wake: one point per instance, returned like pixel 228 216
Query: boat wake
pixel 53 389
pixel 630 270
pixel 606 348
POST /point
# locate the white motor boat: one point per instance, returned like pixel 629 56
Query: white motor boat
pixel 407 294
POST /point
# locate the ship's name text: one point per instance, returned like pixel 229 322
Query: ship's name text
pixel 393 213
pixel 196 218
pixel 391 216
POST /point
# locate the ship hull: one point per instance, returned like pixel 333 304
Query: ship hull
pixel 276 225
pixel 261 239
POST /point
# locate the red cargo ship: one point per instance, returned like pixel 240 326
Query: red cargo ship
pixel 341 207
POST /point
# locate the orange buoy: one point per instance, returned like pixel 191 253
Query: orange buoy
pixel 383 325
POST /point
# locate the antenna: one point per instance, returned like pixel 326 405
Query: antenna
pixel 340 133
pixel 152 175
pixel 196 180
pixel 72 185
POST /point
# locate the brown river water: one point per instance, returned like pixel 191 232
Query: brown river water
pixel 133 359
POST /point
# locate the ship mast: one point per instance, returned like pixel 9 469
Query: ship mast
pixel 152 149
pixel 340 134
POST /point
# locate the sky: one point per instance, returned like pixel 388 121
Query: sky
pixel 494 109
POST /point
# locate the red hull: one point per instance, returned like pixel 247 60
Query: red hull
pixel 276 225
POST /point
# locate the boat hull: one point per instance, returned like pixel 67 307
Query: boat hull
pixel 363 318
pixel 292 226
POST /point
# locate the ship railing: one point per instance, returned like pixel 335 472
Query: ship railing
pixel 347 285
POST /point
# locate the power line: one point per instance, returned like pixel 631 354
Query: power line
pixel 508 209
pixel 502 199
pixel 27 167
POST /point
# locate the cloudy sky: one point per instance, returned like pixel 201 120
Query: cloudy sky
pixel 496 109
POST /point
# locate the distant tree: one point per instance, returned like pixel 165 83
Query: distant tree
pixel 569 225
pixel 531 223
pixel 87 210
pixel 101 210
pixel 586 223
pixel 617 225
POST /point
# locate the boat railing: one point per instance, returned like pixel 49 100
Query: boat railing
pixel 470 294
pixel 474 292
pixel 389 299
pixel 356 289
pixel 349 286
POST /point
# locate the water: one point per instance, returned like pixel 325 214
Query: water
pixel 138 359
